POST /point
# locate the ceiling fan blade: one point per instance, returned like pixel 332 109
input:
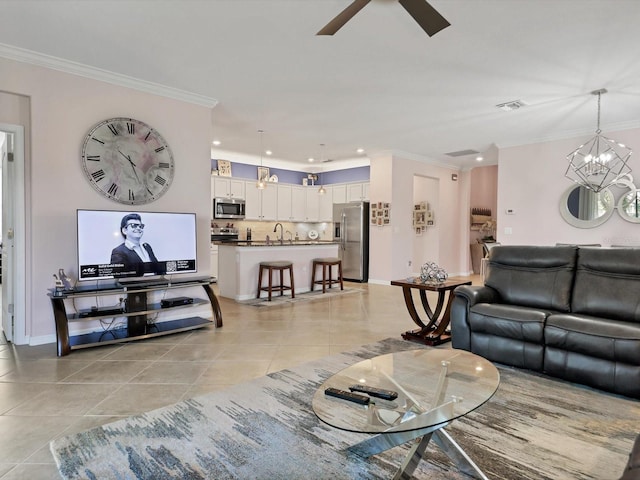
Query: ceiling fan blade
pixel 343 17
pixel 426 16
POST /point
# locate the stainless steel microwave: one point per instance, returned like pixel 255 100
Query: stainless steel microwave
pixel 228 208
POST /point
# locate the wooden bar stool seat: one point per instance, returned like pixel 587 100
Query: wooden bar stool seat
pixel 327 277
pixel 270 267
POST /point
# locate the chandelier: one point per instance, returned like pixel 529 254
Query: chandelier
pixel 600 162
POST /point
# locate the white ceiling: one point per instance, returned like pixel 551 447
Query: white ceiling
pixel 380 83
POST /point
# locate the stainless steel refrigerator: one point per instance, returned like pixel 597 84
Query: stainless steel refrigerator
pixel 351 231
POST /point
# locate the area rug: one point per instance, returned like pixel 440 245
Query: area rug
pixel 533 428
pixel 285 300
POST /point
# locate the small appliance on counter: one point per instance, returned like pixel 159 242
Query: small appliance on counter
pixel 224 234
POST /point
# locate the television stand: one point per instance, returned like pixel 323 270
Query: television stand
pixel 144 282
pixel 137 313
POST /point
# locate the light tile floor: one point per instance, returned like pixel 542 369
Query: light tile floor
pixel 43 397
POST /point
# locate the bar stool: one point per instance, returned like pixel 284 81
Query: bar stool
pixel 280 266
pixel 326 264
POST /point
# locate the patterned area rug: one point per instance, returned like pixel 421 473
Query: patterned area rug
pixel 533 428
pixel 279 301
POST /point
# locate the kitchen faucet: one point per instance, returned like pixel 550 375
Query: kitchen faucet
pixel 275 229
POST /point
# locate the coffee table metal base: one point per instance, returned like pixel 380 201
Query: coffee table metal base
pixel 456 377
pixel 420 438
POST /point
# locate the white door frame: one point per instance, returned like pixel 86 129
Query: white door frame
pixel 18 274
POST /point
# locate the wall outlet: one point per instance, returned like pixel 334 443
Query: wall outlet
pixel 508 230
pixel 510 211
pixel 409 263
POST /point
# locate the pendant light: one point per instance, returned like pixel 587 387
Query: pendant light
pixel 600 162
pixel 321 190
pixel 261 184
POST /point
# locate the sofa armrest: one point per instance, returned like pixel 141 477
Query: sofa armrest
pixel 464 298
pixel 477 294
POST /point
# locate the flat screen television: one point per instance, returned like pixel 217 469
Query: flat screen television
pixel 129 244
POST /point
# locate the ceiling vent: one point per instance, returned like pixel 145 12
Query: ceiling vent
pixel 462 153
pixel 509 106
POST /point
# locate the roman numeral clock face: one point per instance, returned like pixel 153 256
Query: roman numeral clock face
pixel 127 161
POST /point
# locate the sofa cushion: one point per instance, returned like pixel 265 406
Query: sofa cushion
pixel 597 337
pixel 533 276
pixel 607 283
pixel 520 323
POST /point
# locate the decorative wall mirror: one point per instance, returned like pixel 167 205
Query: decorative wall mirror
pixel 584 208
pixel 629 206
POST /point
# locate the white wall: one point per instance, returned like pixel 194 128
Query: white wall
pixel 391 248
pixel 531 181
pixel 63 109
pixel 426 246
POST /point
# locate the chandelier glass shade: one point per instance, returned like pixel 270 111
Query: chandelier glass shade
pixel 600 162
pixel 321 190
pixel 261 184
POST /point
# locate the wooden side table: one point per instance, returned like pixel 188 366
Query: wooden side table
pixel 434 332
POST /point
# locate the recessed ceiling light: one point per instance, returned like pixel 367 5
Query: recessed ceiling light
pixel 360 150
pixel 479 159
pixel 269 152
pixel 217 142
pixel 310 159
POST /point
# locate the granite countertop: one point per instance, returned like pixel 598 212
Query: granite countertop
pixel 276 243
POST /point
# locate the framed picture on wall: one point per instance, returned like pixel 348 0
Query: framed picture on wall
pixel 224 168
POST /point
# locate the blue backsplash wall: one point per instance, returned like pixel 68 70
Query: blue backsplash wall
pixel 250 172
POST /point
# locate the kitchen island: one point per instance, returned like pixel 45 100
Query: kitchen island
pixel 238 264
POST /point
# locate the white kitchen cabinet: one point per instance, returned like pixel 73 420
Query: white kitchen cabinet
pixel 313 204
pixel 339 194
pixel 326 205
pixel 225 187
pixel 214 261
pixel 357 192
pixel 284 203
pixel 261 204
pixel 299 204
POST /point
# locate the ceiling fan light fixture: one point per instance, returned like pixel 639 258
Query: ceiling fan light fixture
pixel 422 12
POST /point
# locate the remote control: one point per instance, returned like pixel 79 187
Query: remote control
pixel 350 396
pixel 375 392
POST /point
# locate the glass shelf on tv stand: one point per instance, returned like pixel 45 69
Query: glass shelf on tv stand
pixel 138 326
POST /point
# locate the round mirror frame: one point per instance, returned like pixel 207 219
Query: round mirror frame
pixel 576 222
pixel 621 209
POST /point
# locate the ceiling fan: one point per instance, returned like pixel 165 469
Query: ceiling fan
pixel 423 13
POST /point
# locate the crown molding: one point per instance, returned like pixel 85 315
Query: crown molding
pixel 610 130
pixel 75 68
pixel 273 162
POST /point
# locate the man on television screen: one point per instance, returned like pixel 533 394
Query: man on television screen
pixel 133 254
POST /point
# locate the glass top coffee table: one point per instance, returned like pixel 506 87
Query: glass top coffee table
pixel 433 387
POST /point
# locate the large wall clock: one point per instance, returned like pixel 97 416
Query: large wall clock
pixel 127 161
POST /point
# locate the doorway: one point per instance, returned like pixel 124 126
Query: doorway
pixel 13 269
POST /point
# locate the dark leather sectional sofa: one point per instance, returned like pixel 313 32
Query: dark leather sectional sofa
pixel 570 312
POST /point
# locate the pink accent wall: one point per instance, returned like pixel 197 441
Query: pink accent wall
pixel 531 181
pixel 484 192
pixel 63 109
